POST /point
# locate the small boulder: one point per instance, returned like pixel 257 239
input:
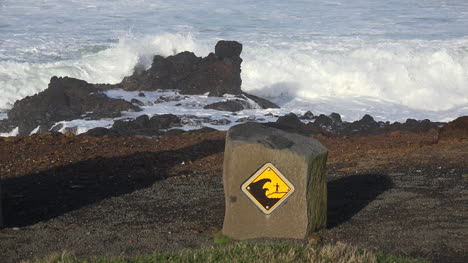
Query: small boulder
pixel 229 105
pixel 323 121
pixel 263 103
pixel 164 121
pixel 100 132
pixel 137 102
pixel 307 116
pixel 336 117
pixel 290 120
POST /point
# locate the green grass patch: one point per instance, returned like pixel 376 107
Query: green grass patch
pixel 220 239
pixel 250 252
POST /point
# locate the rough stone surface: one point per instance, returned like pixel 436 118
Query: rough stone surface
pixel 301 160
pixel 64 99
pixel 142 125
pixel 307 116
pixel 229 105
pixel 227 49
pixel 263 103
pixel 290 119
pixel 242 102
pixel 216 74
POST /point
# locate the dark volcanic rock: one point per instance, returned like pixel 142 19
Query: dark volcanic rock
pixel 165 73
pixel 100 132
pixel 203 130
pixel 323 121
pixel 362 126
pixel 216 74
pixel 307 116
pixel 336 117
pixel 455 130
pixel 143 125
pixel 64 99
pixel 263 103
pixel 242 102
pixel 137 102
pixel 332 125
pixel 290 120
pixel 229 105
pixel 228 49
pixel 164 121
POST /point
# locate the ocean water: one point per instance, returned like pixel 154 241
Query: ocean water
pixel 392 59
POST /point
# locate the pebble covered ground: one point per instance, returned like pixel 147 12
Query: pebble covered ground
pixel 402 193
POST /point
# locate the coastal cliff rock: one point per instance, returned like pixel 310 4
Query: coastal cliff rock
pixel 64 99
pixel 216 74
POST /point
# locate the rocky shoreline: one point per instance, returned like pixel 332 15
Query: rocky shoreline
pixel 68 99
pixel 217 75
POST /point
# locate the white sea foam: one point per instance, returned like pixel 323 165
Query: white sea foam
pixel 426 75
pixel 12 133
pixel 412 75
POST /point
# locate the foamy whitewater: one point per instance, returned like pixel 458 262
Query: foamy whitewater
pixel 391 59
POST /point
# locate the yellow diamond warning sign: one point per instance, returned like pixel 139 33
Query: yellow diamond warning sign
pixel 268 188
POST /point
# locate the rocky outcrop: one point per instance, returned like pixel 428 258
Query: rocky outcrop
pixel 262 103
pixel 64 99
pixel 332 125
pixel 69 99
pixel 216 74
pixel 241 102
pixel 229 105
pixel 455 130
pixel 142 125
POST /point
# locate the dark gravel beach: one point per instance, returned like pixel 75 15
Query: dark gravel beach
pixel 401 193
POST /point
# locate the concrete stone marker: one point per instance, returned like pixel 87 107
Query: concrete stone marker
pixel 274 183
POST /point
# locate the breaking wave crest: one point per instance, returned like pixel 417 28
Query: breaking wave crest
pixel 418 74
pixel 19 79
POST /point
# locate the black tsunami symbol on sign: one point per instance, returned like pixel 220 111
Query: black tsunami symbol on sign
pixel 257 190
pixel 267 188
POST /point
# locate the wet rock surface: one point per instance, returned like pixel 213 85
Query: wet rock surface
pixel 216 74
pixel 64 99
pixel 229 105
pixel 141 126
pixel 332 125
pixel 126 196
pixel 68 99
pixel 242 102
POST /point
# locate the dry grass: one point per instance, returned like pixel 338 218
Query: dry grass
pixel 248 252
